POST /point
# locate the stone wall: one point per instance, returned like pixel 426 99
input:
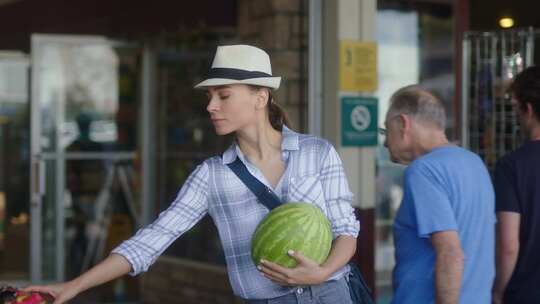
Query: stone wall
pixel 281 28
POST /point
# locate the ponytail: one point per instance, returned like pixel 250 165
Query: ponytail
pixel 277 116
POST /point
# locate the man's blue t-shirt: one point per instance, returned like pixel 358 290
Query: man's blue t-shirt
pixel 448 188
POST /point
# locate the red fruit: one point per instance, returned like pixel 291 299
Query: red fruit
pixel 29 298
pixel 10 295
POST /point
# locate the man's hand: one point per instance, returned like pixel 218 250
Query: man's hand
pixel 307 272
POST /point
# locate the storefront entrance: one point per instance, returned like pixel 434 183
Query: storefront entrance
pixel 70 157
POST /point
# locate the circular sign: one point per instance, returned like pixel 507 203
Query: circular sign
pixel 360 118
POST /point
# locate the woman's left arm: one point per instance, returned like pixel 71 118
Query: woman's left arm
pixel 308 272
pixel 343 249
pixel 345 227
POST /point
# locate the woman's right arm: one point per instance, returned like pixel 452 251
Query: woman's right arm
pixel 114 266
pixel 138 253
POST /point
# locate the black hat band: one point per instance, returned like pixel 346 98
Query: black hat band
pixel 236 74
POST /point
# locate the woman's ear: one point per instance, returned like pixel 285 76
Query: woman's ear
pixel 262 98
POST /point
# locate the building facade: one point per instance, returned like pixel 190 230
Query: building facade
pixel 100 126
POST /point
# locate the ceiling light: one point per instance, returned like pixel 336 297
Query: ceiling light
pixel 506 22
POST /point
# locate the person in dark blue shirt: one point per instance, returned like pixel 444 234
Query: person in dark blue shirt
pixel 517 189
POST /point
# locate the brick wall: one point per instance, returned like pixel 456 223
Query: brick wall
pixel 175 280
pixel 281 28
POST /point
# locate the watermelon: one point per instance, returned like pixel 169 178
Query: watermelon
pixel 301 227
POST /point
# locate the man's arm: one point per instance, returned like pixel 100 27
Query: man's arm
pixel 449 265
pixel 507 251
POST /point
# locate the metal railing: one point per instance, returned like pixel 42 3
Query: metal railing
pixel 490 62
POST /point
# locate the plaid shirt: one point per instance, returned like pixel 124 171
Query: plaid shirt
pixel 314 173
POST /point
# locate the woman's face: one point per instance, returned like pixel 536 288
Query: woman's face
pixel 233 107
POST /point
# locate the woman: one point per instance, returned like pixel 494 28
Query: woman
pixel 297 167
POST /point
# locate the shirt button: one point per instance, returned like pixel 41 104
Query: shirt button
pixel 299 290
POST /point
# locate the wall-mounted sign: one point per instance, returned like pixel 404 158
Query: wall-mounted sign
pixel 358 66
pixel 359 121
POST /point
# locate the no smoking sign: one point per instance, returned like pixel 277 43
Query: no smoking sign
pixel 359 121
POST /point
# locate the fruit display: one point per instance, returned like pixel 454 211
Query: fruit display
pixel 301 227
pixel 10 295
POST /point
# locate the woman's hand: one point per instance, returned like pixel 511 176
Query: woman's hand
pixel 62 292
pixel 307 272
pixel 114 266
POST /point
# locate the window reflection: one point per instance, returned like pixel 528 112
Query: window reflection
pixel 84 79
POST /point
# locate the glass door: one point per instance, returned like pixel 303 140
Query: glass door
pixel 85 173
pixel 14 166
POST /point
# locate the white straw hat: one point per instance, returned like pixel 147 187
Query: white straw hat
pixel 240 64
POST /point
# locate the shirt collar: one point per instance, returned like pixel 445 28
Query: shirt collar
pixel 289 142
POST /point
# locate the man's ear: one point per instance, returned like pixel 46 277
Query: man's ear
pixel 404 122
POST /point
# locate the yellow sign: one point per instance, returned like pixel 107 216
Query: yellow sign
pixel 358 66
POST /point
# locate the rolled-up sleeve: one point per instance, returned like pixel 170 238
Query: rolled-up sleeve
pixel 338 195
pixel 187 209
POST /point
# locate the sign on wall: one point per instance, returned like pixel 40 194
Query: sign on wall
pixel 359 123
pixel 358 66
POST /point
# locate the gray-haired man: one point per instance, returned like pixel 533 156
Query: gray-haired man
pixel 444 228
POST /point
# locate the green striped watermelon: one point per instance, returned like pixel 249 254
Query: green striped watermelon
pixel 301 227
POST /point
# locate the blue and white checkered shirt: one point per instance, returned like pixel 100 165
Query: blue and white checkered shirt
pixel 314 173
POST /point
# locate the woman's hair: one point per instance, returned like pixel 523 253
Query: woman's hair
pixel 277 116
